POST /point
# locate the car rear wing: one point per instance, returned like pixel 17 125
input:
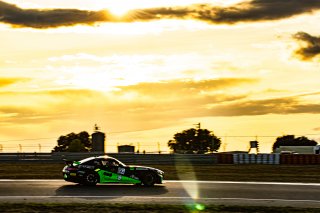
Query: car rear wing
pixel 71 162
pixel 68 162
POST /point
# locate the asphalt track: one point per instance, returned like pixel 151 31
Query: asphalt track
pixel 171 192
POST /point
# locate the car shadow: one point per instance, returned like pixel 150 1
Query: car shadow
pixel 106 190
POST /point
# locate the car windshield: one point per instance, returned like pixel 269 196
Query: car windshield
pixel 86 160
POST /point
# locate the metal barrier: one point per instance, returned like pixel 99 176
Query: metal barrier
pixel 300 159
pixel 244 158
pixel 224 158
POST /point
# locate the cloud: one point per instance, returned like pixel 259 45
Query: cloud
pixel 9 81
pixel 310 47
pixel 48 18
pixel 185 87
pixel 247 11
pixel 21 115
pixel 285 105
pixel 46 106
pixel 187 99
pixel 147 110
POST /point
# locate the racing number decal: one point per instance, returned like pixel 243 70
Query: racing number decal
pixel 121 171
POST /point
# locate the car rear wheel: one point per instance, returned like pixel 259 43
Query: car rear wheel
pixel 148 179
pixel 91 179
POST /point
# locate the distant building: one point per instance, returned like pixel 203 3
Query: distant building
pixel 297 149
pixel 125 149
pixel 98 140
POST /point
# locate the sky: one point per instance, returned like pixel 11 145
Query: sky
pixel 144 70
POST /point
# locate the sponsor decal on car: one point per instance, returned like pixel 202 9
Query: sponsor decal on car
pixel 134 177
pixel 86 166
pixel 121 171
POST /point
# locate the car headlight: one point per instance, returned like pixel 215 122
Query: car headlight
pixel 160 172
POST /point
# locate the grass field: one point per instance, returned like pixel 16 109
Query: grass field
pixel 134 208
pixel 278 173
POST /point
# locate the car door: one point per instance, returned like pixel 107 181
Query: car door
pixel 113 172
pixel 108 171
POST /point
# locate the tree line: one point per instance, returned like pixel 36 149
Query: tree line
pixel 190 141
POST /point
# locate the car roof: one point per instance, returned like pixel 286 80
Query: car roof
pixel 104 157
pixel 96 157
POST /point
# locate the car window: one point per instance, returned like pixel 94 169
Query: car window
pixel 114 162
pixel 109 162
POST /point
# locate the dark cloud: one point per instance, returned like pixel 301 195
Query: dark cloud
pixel 247 11
pixel 36 18
pixel 310 47
pixel 256 10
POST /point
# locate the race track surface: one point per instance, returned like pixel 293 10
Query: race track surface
pixel 171 192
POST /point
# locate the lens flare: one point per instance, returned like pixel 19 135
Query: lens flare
pixel 199 206
pixel 186 172
pixel 196 207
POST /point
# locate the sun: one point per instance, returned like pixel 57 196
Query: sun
pixel 119 10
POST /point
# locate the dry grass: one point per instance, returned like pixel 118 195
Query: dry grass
pixel 134 208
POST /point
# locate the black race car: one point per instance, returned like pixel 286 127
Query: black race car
pixel 105 169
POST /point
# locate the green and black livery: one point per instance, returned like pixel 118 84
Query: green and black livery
pixel 105 169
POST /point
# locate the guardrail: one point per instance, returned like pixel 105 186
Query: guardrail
pixel 127 158
pixel 168 159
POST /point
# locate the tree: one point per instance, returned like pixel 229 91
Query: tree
pixel 290 140
pixel 64 142
pixel 76 146
pixel 194 141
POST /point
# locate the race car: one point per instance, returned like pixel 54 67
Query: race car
pixel 106 169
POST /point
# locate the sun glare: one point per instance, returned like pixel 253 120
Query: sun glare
pixel 119 10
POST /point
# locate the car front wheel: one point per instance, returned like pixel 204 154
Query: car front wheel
pixel 148 179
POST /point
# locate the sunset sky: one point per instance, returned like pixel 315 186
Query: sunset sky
pixel 144 70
